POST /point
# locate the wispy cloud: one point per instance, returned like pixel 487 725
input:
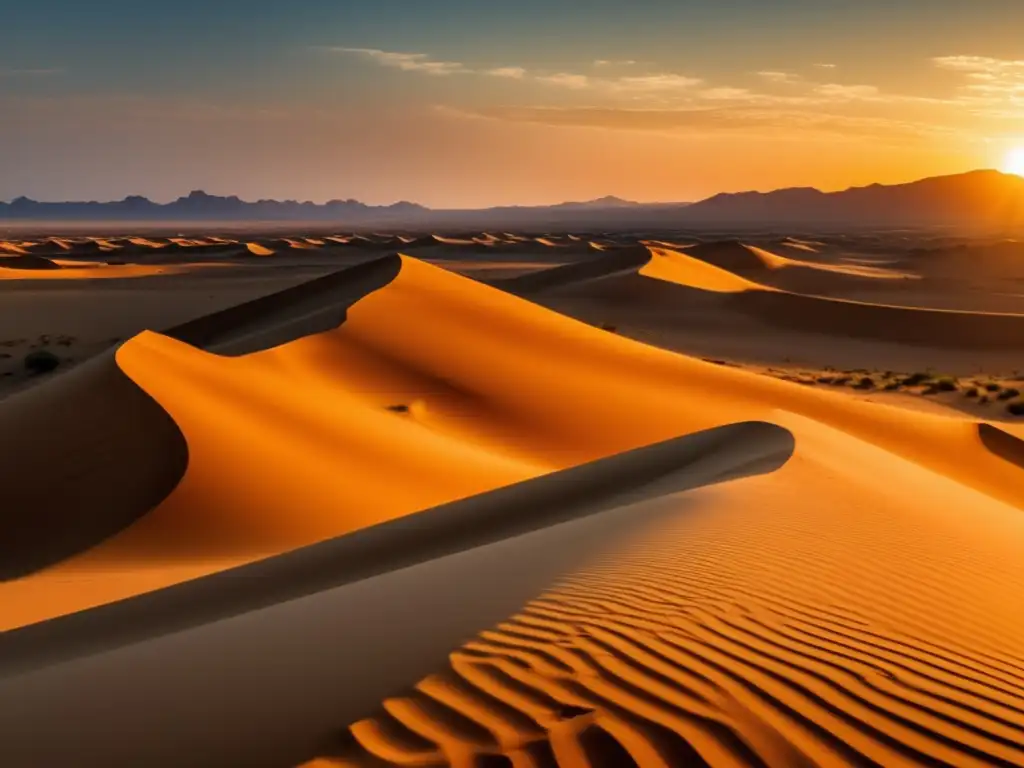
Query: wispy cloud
pixel 615 62
pixel 567 80
pixel 773 76
pixel 514 73
pixel 408 62
pixel 761 122
pixel 427 64
pixel 825 66
pixel 993 87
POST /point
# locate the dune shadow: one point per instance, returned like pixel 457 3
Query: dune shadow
pixel 312 307
pixel 83 455
pixel 1004 445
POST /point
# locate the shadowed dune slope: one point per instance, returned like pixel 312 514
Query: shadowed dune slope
pixel 81 457
pixel 429 372
pixel 268 321
pixel 26 261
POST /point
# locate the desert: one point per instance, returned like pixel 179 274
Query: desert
pixel 312 496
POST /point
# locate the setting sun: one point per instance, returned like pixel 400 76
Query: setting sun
pixel 1015 161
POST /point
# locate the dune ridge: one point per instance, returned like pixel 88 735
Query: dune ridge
pixel 720 285
pixel 855 606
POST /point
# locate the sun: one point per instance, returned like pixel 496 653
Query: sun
pixel 1014 162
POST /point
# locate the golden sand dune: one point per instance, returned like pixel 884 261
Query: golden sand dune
pixel 78 271
pixel 857 606
pixel 258 249
pixel 146 243
pixel 682 269
pixel 818 616
pixel 379 386
pixel 18 249
pixel 439 576
pixel 636 278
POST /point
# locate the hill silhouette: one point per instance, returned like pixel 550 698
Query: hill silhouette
pixel 982 198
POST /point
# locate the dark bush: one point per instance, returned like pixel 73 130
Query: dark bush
pixel 915 379
pixel 1016 407
pixel 865 383
pixel 946 384
pixel 972 392
pixel 41 361
pixel 992 387
pixel 400 408
pixel 1008 393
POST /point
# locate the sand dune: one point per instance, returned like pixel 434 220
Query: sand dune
pixel 259 249
pixel 709 287
pixel 854 606
pixel 367 578
pixel 341 384
pixel 26 262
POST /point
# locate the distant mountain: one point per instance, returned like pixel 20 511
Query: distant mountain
pixel 987 198
pixel 976 199
pixel 200 206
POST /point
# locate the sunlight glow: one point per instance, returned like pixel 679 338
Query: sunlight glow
pixel 1015 161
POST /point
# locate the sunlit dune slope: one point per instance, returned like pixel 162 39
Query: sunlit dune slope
pixel 630 278
pixel 435 388
pixel 852 608
pixel 77 271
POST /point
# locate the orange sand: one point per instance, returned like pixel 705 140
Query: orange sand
pixel 859 605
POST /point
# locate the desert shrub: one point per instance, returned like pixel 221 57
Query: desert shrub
pixel 841 380
pixel 1008 393
pixel 915 379
pixel 1016 407
pixel 826 379
pixel 399 408
pixel 892 386
pixel 865 382
pixel 946 384
pixel 992 386
pixel 41 361
pixel 971 392
pixel 983 400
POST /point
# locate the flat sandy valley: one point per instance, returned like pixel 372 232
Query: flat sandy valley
pixel 519 500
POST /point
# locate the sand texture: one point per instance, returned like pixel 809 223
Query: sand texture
pixel 402 502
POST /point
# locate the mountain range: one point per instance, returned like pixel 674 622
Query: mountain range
pixel 984 198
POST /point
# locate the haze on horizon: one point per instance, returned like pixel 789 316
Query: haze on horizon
pixel 451 104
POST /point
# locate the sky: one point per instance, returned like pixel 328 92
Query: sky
pixel 472 103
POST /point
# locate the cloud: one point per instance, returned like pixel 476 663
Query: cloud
pixel 515 73
pixel 994 87
pixel 566 80
pixel 843 92
pixel 615 63
pixel 825 66
pixel 778 77
pixel 637 84
pixel 711 120
pixel 408 62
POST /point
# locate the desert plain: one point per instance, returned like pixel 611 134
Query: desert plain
pixel 511 499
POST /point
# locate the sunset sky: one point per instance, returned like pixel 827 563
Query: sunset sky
pixel 469 103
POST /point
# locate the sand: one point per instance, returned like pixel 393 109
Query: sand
pixel 831 581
